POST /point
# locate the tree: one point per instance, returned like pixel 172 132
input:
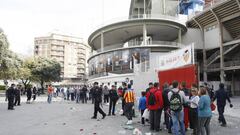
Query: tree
pixel 46 71
pixel 9 62
pixel 25 72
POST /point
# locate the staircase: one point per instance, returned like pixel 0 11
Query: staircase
pixel 215 56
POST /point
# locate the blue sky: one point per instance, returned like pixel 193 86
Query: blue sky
pixel 22 20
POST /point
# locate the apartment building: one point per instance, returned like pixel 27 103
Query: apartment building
pixel 71 52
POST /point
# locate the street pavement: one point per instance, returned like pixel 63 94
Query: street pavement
pixel 66 117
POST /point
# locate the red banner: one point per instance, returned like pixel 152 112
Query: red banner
pixel 186 73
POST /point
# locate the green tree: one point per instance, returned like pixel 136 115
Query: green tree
pixel 46 70
pixel 9 62
pixel 25 72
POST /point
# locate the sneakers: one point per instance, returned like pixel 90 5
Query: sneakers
pixel 129 122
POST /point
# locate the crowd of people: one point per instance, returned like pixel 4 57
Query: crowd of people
pixel 13 95
pixel 182 108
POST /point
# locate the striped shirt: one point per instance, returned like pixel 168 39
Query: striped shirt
pixel 129 96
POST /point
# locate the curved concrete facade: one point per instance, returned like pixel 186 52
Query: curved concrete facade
pixel 159 29
pixel 131 48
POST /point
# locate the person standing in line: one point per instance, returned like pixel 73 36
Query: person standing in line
pixel 29 94
pixel 106 94
pixel 78 91
pixel 142 106
pixel 71 90
pixel 186 106
pixel 17 96
pixel 155 106
pixel 84 94
pixel 50 92
pixel 177 99
pixel 91 94
pixel 113 100
pixel 221 96
pixel 193 110
pixel 150 86
pixel 34 93
pixel 97 95
pixel 204 112
pixel 10 96
pixel 166 107
pixel 68 93
pixel 124 85
pixel 129 99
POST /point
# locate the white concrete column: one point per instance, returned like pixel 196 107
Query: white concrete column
pixel 164 7
pixel 144 34
pixel 179 35
pixel 222 74
pixel 204 51
pixel 102 42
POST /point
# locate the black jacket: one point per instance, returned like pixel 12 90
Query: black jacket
pixel 221 95
pixel 10 92
pixel 17 92
pixel 166 102
pixel 113 95
pixel 97 94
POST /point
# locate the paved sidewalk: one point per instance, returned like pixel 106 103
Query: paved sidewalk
pixel 67 117
pixel 41 98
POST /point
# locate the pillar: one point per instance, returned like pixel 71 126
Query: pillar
pixel 102 42
pixel 204 51
pixel 179 36
pixel 144 34
pixel 220 33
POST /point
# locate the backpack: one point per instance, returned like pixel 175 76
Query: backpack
pixel 175 102
pixel 152 98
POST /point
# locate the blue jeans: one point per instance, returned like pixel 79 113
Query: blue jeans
pixel 78 98
pixel 49 98
pixel 177 119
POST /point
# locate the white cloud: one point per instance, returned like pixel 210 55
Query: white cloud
pixel 23 20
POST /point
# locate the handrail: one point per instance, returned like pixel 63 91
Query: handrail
pixel 231 63
pixel 177 18
pixel 215 55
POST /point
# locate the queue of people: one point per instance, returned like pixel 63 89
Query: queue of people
pixel 182 108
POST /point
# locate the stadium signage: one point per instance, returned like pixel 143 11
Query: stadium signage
pixel 177 58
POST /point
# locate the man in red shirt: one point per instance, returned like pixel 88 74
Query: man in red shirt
pixel 155 106
pixel 50 91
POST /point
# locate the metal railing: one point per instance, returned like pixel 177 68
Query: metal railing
pixel 177 18
pixel 231 63
pixel 140 43
pixel 216 55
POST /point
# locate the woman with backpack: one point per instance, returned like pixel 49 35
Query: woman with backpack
pixel 204 112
